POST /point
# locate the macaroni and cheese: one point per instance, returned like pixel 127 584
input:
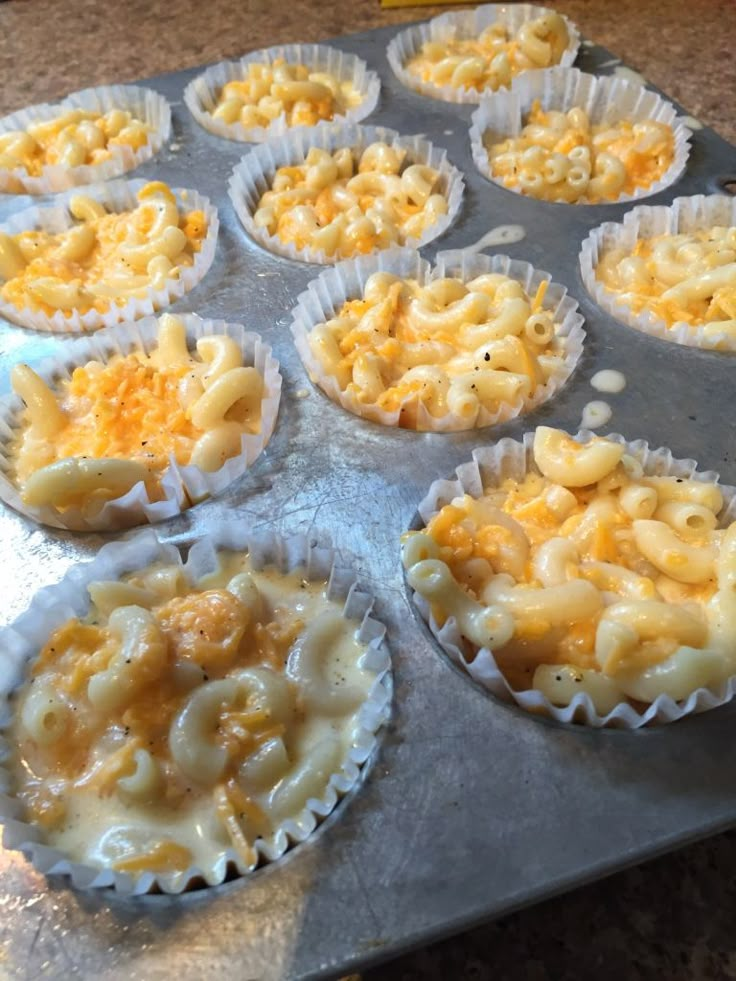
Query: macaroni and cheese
pixel 180 723
pixel 104 257
pixel 92 437
pixel 449 348
pixel 303 96
pixel 679 279
pixel 587 576
pixel 74 138
pixel 490 60
pixel 349 203
pixel 561 156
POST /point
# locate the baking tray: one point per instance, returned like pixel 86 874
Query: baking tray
pixel 472 808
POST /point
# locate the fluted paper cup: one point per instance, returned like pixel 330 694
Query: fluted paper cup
pixel 117 196
pixel 144 104
pixel 54 605
pixel 325 296
pixel 202 93
pixel 465 24
pixel 683 216
pixel 254 174
pixel 513 459
pixel 181 485
pixel 605 100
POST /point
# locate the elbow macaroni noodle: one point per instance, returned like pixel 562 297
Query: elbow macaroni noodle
pixel 455 348
pixel 347 203
pixel 160 735
pixel 687 278
pixel 74 138
pixel 561 156
pixel 303 96
pixel 92 437
pixel 104 258
pixel 586 576
pixel 490 60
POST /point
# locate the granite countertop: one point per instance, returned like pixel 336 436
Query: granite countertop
pixel 673 918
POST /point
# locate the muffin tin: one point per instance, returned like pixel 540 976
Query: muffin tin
pixel 472 808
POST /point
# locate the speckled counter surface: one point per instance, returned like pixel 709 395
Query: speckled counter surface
pixel 673 919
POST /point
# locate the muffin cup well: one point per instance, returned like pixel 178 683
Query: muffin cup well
pixel 201 94
pixel 254 174
pixel 325 295
pixel 144 104
pixel 182 485
pixel 465 24
pixel 117 196
pixel 512 459
pixel 54 605
pixel 684 215
pixel 605 100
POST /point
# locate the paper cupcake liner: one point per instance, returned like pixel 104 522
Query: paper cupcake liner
pixel 682 216
pixel 201 95
pixel 181 485
pixel 465 24
pixel 252 177
pixel 55 604
pixel 116 196
pixel 509 458
pixel 144 104
pixel 326 294
pixel 606 100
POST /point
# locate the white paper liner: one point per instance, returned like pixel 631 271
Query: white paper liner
pixel 252 177
pixel 144 104
pixel 684 215
pixel 181 485
pixel 465 24
pixel 54 605
pixel 326 294
pixel 509 458
pixel 202 93
pixel 116 196
pixel 605 100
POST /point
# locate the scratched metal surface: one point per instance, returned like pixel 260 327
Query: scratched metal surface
pixel 472 808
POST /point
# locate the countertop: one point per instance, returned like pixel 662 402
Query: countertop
pixel 672 919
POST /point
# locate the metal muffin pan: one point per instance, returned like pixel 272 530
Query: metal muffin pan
pixel 472 808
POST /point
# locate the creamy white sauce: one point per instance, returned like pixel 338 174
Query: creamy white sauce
pixel 102 830
pixel 608 380
pixel 501 235
pixel 691 122
pixel 301 393
pixel 595 414
pixel 629 75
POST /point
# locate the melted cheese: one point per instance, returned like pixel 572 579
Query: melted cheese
pixel 71 788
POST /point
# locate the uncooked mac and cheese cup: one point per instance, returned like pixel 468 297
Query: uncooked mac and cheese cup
pixel 170 249
pixel 445 58
pixel 605 118
pixel 108 131
pixel 668 271
pixel 674 508
pixel 212 826
pixel 345 191
pixel 51 496
pixel 263 95
pixel 474 341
